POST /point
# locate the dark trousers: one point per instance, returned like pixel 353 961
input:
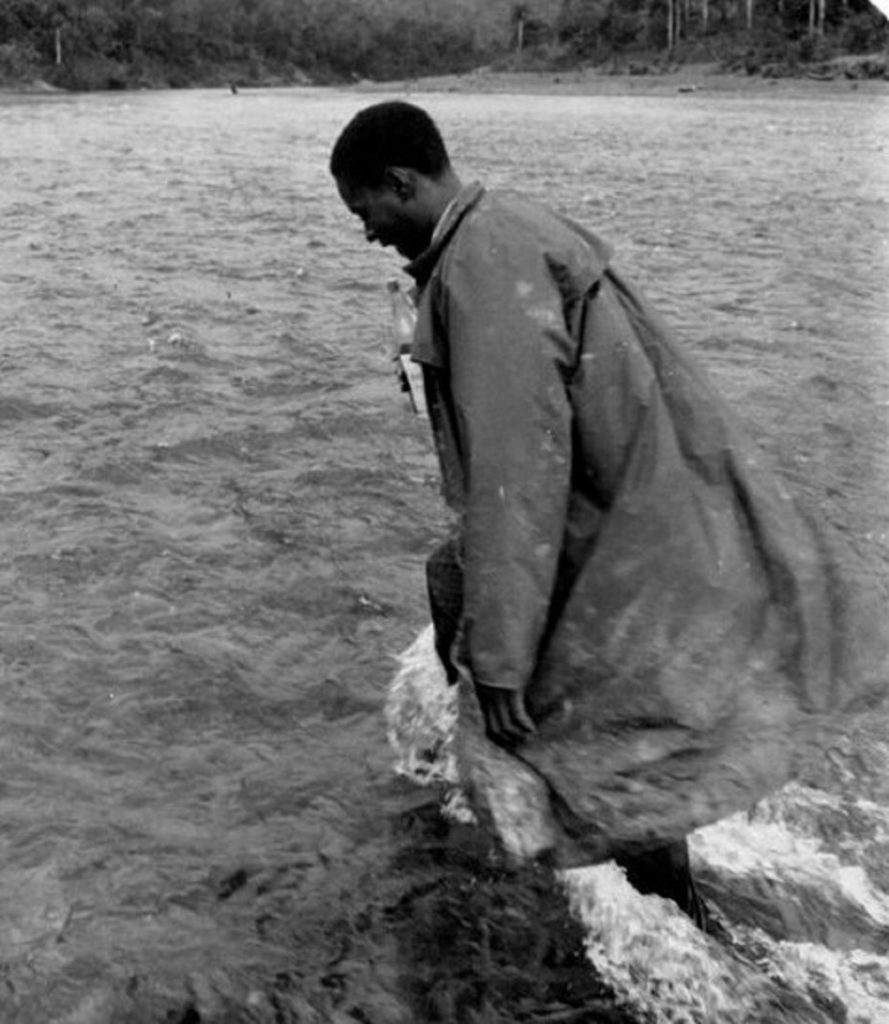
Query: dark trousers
pixel 664 871
pixel 444 585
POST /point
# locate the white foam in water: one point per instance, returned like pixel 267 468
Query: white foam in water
pixel 772 863
pixel 421 715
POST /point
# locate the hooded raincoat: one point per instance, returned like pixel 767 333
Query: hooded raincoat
pixel 629 562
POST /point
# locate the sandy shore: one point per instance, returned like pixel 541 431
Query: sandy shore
pixel 688 78
pixel 682 79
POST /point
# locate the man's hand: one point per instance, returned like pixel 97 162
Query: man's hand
pixel 506 718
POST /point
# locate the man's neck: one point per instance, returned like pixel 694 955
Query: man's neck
pixel 442 192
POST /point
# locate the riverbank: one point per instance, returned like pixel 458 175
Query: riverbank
pixel 843 74
pixel 869 72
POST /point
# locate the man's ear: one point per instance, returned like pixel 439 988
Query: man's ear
pixel 402 181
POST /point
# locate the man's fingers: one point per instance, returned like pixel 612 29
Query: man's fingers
pixel 520 714
pixel 499 719
pixel 506 718
pixel 493 714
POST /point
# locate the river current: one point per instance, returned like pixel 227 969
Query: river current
pixel 216 504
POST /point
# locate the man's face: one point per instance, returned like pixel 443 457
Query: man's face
pixel 388 218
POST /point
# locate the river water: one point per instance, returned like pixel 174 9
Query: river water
pixel 215 503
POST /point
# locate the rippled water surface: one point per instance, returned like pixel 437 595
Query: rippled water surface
pixel 215 505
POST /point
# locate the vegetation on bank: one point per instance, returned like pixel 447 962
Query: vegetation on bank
pixel 100 44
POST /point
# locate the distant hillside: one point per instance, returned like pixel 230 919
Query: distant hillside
pixel 85 44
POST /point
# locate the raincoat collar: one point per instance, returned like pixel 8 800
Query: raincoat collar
pixel 420 269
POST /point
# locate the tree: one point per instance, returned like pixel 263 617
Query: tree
pixel 517 17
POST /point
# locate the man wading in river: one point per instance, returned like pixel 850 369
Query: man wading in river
pixel 651 631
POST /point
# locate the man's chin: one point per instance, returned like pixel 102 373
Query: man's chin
pixel 408 252
pixel 406 249
pixel 394 245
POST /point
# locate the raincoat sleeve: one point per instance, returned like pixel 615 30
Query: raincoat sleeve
pixel 509 353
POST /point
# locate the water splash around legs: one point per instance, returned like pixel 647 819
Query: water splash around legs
pixel 796 883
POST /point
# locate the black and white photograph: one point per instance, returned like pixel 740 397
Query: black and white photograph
pixel 444 512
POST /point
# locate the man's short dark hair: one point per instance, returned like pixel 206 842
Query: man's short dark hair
pixel 390 134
